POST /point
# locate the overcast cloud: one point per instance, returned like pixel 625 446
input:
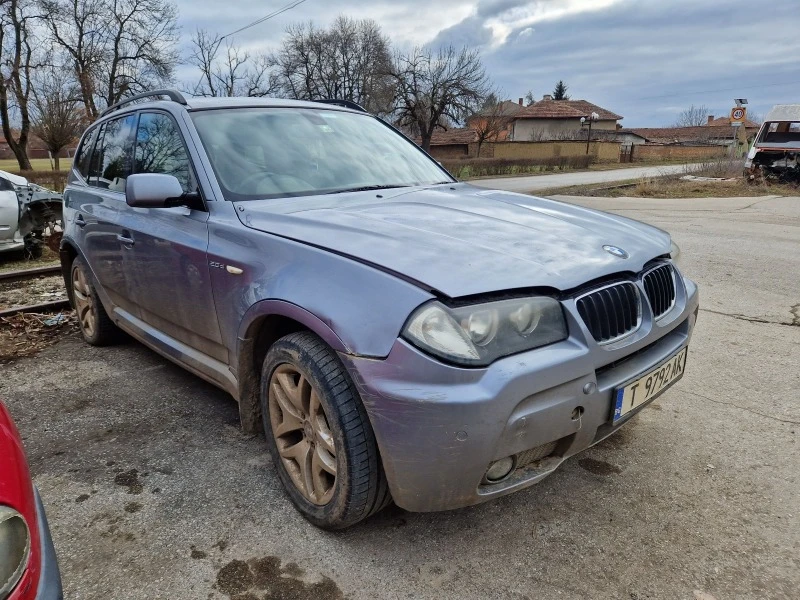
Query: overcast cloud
pixel 643 59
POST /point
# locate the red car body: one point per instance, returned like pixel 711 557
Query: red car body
pixel 40 579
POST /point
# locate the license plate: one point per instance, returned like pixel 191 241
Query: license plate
pixel 648 386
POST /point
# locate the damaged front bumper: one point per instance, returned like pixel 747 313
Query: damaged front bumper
pixel 439 427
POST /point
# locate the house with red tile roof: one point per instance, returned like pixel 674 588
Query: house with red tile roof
pixel 560 119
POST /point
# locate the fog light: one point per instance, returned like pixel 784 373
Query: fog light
pixel 499 469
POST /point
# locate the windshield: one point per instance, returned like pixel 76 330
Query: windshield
pixel 780 133
pixel 277 152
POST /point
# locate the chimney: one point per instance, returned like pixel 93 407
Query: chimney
pixel 547 97
pixel 520 101
pixel 710 118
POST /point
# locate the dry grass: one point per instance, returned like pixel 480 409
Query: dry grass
pixel 26 334
pixel 675 187
pixel 13 261
pixel 39 164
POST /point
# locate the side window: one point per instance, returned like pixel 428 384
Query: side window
pixel 111 162
pixel 160 149
pixel 85 152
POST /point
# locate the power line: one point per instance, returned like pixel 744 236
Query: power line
pixel 736 89
pixel 289 6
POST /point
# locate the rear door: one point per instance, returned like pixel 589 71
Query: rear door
pixel 94 205
pixel 168 245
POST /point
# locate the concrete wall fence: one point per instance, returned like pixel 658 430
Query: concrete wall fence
pixel 599 151
pixel 656 152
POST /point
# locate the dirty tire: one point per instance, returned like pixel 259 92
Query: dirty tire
pixel 360 488
pixel 95 325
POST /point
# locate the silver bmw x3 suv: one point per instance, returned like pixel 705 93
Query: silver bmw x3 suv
pixel 397 335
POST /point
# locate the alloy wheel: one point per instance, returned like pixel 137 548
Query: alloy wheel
pixel 302 434
pixel 84 302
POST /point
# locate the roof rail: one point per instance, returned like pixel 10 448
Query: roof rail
pixel 173 95
pixel 344 103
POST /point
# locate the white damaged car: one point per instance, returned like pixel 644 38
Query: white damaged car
pixel 28 214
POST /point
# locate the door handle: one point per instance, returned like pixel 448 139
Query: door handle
pixel 79 221
pixel 125 238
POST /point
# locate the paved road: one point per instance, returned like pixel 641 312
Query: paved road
pixel 531 183
pixel 153 491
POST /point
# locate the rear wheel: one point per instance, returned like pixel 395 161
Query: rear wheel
pixel 319 434
pixel 95 324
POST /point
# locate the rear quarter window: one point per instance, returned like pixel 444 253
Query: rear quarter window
pixel 112 160
pixel 84 154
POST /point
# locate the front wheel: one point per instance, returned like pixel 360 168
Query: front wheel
pixel 319 435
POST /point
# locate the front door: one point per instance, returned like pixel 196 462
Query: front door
pixel 168 246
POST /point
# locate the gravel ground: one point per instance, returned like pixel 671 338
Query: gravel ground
pixel 33 291
pixel 153 491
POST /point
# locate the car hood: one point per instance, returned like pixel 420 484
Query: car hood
pixel 460 240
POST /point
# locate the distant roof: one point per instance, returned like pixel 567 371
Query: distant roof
pixel 453 136
pixel 507 109
pixel 671 135
pixel 565 109
pixel 726 122
pixel 784 112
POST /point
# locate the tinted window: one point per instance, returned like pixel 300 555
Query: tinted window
pixel 160 149
pixel 111 163
pixel 6 185
pixel 85 152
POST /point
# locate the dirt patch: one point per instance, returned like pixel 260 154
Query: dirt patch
pixel 129 479
pixel 599 467
pixel 33 291
pixel 133 507
pixel 263 578
pixel 26 334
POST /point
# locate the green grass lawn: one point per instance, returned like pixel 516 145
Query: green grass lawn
pixel 39 164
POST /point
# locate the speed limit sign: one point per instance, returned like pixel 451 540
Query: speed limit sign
pixel 738 115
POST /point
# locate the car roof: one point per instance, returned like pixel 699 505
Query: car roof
pixel 202 103
pixel 783 112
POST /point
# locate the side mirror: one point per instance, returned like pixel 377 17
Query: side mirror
pixel 154 190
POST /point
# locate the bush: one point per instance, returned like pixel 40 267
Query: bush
pixel 723 166
pixel 52 180
pixel 482 167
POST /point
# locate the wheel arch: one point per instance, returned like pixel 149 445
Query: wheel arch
pixel 264 324
pixel 67 252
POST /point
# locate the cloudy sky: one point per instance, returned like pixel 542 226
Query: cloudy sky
pixel 644 59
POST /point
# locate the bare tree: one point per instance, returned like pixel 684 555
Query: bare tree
pixel 529 98
pixel 431 84
pixel 16 65
pixel 351 60
pixel 491 121
pixel 694 116
pixel 75 26
pixel 227 70
pixel 56 115
pixel 116 47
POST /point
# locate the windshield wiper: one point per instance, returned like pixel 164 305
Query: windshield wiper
pixel 367 188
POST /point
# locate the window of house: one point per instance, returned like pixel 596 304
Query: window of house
pixel 160 149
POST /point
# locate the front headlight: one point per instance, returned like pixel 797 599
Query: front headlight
pixel 15 548
pixel 674 252
pixel 481 333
